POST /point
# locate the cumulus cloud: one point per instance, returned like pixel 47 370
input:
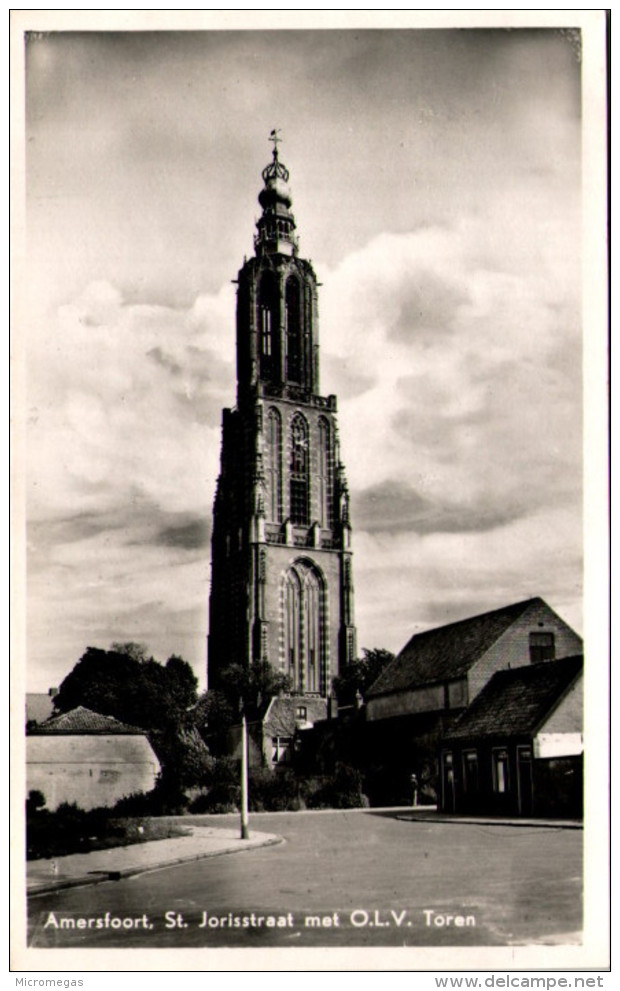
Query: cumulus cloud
pixel 124 433
pixel 467 442
pixel 459 394
pixel 458 398
pixel 450 330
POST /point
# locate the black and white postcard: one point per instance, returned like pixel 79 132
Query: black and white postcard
pixel 310 557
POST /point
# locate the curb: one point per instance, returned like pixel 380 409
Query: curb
pixel 518 824
pixel 47 888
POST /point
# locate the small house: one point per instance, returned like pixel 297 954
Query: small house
pixel 439 673
pixel 90 759
pixel 518 749
pixel 272 738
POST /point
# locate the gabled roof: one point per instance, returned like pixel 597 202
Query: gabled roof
pixel 517 701
pixel 447 652
pixel 281 718
pixel 82 720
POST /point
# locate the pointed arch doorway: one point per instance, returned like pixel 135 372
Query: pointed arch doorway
pixel 303 625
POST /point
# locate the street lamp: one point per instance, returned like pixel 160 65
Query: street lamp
pixel 245 832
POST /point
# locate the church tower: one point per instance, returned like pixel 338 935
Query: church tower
pixel 281 585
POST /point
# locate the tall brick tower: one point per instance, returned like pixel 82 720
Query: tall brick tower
pixel 282 585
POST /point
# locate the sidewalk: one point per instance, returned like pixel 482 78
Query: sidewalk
pixel 429 813
pixel 44 876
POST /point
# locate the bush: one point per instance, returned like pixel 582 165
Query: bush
pixel 224 793
pixel 342 790
pixel 273 791
pixel 72 830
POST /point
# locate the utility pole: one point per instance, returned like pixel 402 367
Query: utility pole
pixel 245 832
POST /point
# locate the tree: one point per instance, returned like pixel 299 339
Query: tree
pixel 130 686
pixel 124 682
pixel 219 709
pixel 137 651
pixel 35 802
pixel 184 755
pixel 252 687
pixel 361 674
pixel 213 716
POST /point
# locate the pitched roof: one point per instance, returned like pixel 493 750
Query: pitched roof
pixel 82 720
pixel 281 718
pixel 516 701
pixel 447 652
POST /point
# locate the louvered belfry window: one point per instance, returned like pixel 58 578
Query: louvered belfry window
pixel 294 349
pixel 300 486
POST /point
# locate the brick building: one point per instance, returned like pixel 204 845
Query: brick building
pixel 440 673
pixel 282 586
pixel 518 749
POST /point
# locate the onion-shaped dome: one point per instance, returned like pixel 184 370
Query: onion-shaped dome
pixel 276 226
pixel 276 191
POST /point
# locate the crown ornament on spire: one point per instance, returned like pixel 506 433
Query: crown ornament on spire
pixel 275 169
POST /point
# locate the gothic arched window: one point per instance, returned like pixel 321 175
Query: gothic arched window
pixel 304 628
pixel 268 326
pixel 300 472
pixel 292 626
pixel 294 343
pixel 274 466
pixel 325 464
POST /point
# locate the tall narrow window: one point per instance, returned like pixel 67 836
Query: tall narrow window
pixel 471 781
pixel 267 312
pixel 294 349
pixel 500 771
pixel 304 628
pixel 313 635
pixel 542 647
pixel 292 627
pixel 300 489
pixel 273 459
pixel 325 474
pixel 265 326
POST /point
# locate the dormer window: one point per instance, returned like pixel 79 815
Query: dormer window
pixel 302 712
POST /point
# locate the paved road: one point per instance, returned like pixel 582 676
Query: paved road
pixel 340 879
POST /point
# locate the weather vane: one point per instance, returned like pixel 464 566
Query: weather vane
pixel 273 136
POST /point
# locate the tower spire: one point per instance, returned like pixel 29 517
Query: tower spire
pixel 276 227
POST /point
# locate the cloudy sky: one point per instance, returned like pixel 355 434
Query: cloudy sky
pixel 437 190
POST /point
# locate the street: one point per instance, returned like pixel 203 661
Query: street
pixel 341 878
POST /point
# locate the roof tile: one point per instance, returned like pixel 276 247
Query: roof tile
pixel 516 701
pixel 447 652
pixel 82 720
pixel 281 718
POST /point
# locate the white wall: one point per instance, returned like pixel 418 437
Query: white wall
pixel 92 771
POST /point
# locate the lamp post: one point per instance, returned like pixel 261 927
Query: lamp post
pixel 245 832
